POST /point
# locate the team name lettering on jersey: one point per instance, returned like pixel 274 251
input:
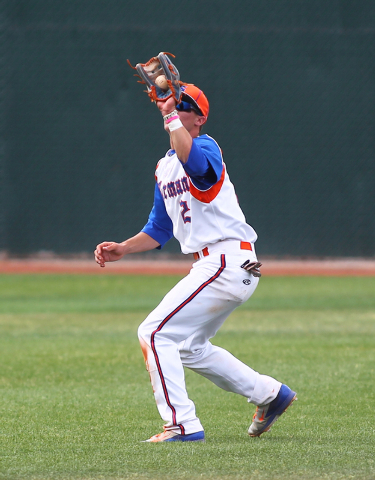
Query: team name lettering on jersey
pixel 173 189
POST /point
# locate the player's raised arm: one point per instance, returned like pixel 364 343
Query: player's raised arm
pixel 183 120
pixel 181 138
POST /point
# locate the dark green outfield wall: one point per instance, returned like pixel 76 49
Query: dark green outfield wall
pixel 292 92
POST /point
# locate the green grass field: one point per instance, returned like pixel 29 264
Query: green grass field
pixel 76 400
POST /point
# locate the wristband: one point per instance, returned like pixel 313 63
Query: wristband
pixel 175 117
pixel 174 124
pixel 170 115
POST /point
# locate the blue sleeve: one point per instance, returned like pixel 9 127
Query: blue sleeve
pixel 205 162
pixel 159 225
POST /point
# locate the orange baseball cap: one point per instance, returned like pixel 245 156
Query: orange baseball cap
pixel 195 96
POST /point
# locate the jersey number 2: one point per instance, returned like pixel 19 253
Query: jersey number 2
pixel 184 210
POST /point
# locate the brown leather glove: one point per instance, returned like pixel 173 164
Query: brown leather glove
pixel 160 68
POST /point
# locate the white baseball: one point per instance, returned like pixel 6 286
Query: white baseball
pixel 161 82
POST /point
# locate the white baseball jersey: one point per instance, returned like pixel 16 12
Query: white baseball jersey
pixel 200 214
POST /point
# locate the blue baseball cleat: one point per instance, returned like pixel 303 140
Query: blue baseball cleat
pixel 169 436
pixel 266 415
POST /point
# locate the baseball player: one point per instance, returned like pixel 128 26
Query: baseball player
pixel 195 202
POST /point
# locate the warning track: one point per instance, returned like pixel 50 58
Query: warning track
pixel 294 267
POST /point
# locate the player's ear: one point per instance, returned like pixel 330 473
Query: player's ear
pixel 200 120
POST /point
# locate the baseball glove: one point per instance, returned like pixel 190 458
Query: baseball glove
pixel 161 78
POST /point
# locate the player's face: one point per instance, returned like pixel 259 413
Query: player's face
pixel 188 119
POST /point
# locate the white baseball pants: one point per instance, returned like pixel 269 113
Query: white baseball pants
pixel 176 335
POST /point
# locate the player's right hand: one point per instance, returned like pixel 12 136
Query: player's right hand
pixel 166 107
pixel 108 252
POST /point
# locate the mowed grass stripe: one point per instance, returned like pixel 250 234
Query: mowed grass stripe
pixel 84 293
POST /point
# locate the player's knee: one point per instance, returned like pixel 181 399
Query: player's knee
pixel 144 334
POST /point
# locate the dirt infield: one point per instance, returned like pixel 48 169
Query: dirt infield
pixel 271 267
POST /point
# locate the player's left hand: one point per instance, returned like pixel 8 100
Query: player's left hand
pixel 108 252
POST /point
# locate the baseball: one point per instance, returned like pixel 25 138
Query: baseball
pixel 161 82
